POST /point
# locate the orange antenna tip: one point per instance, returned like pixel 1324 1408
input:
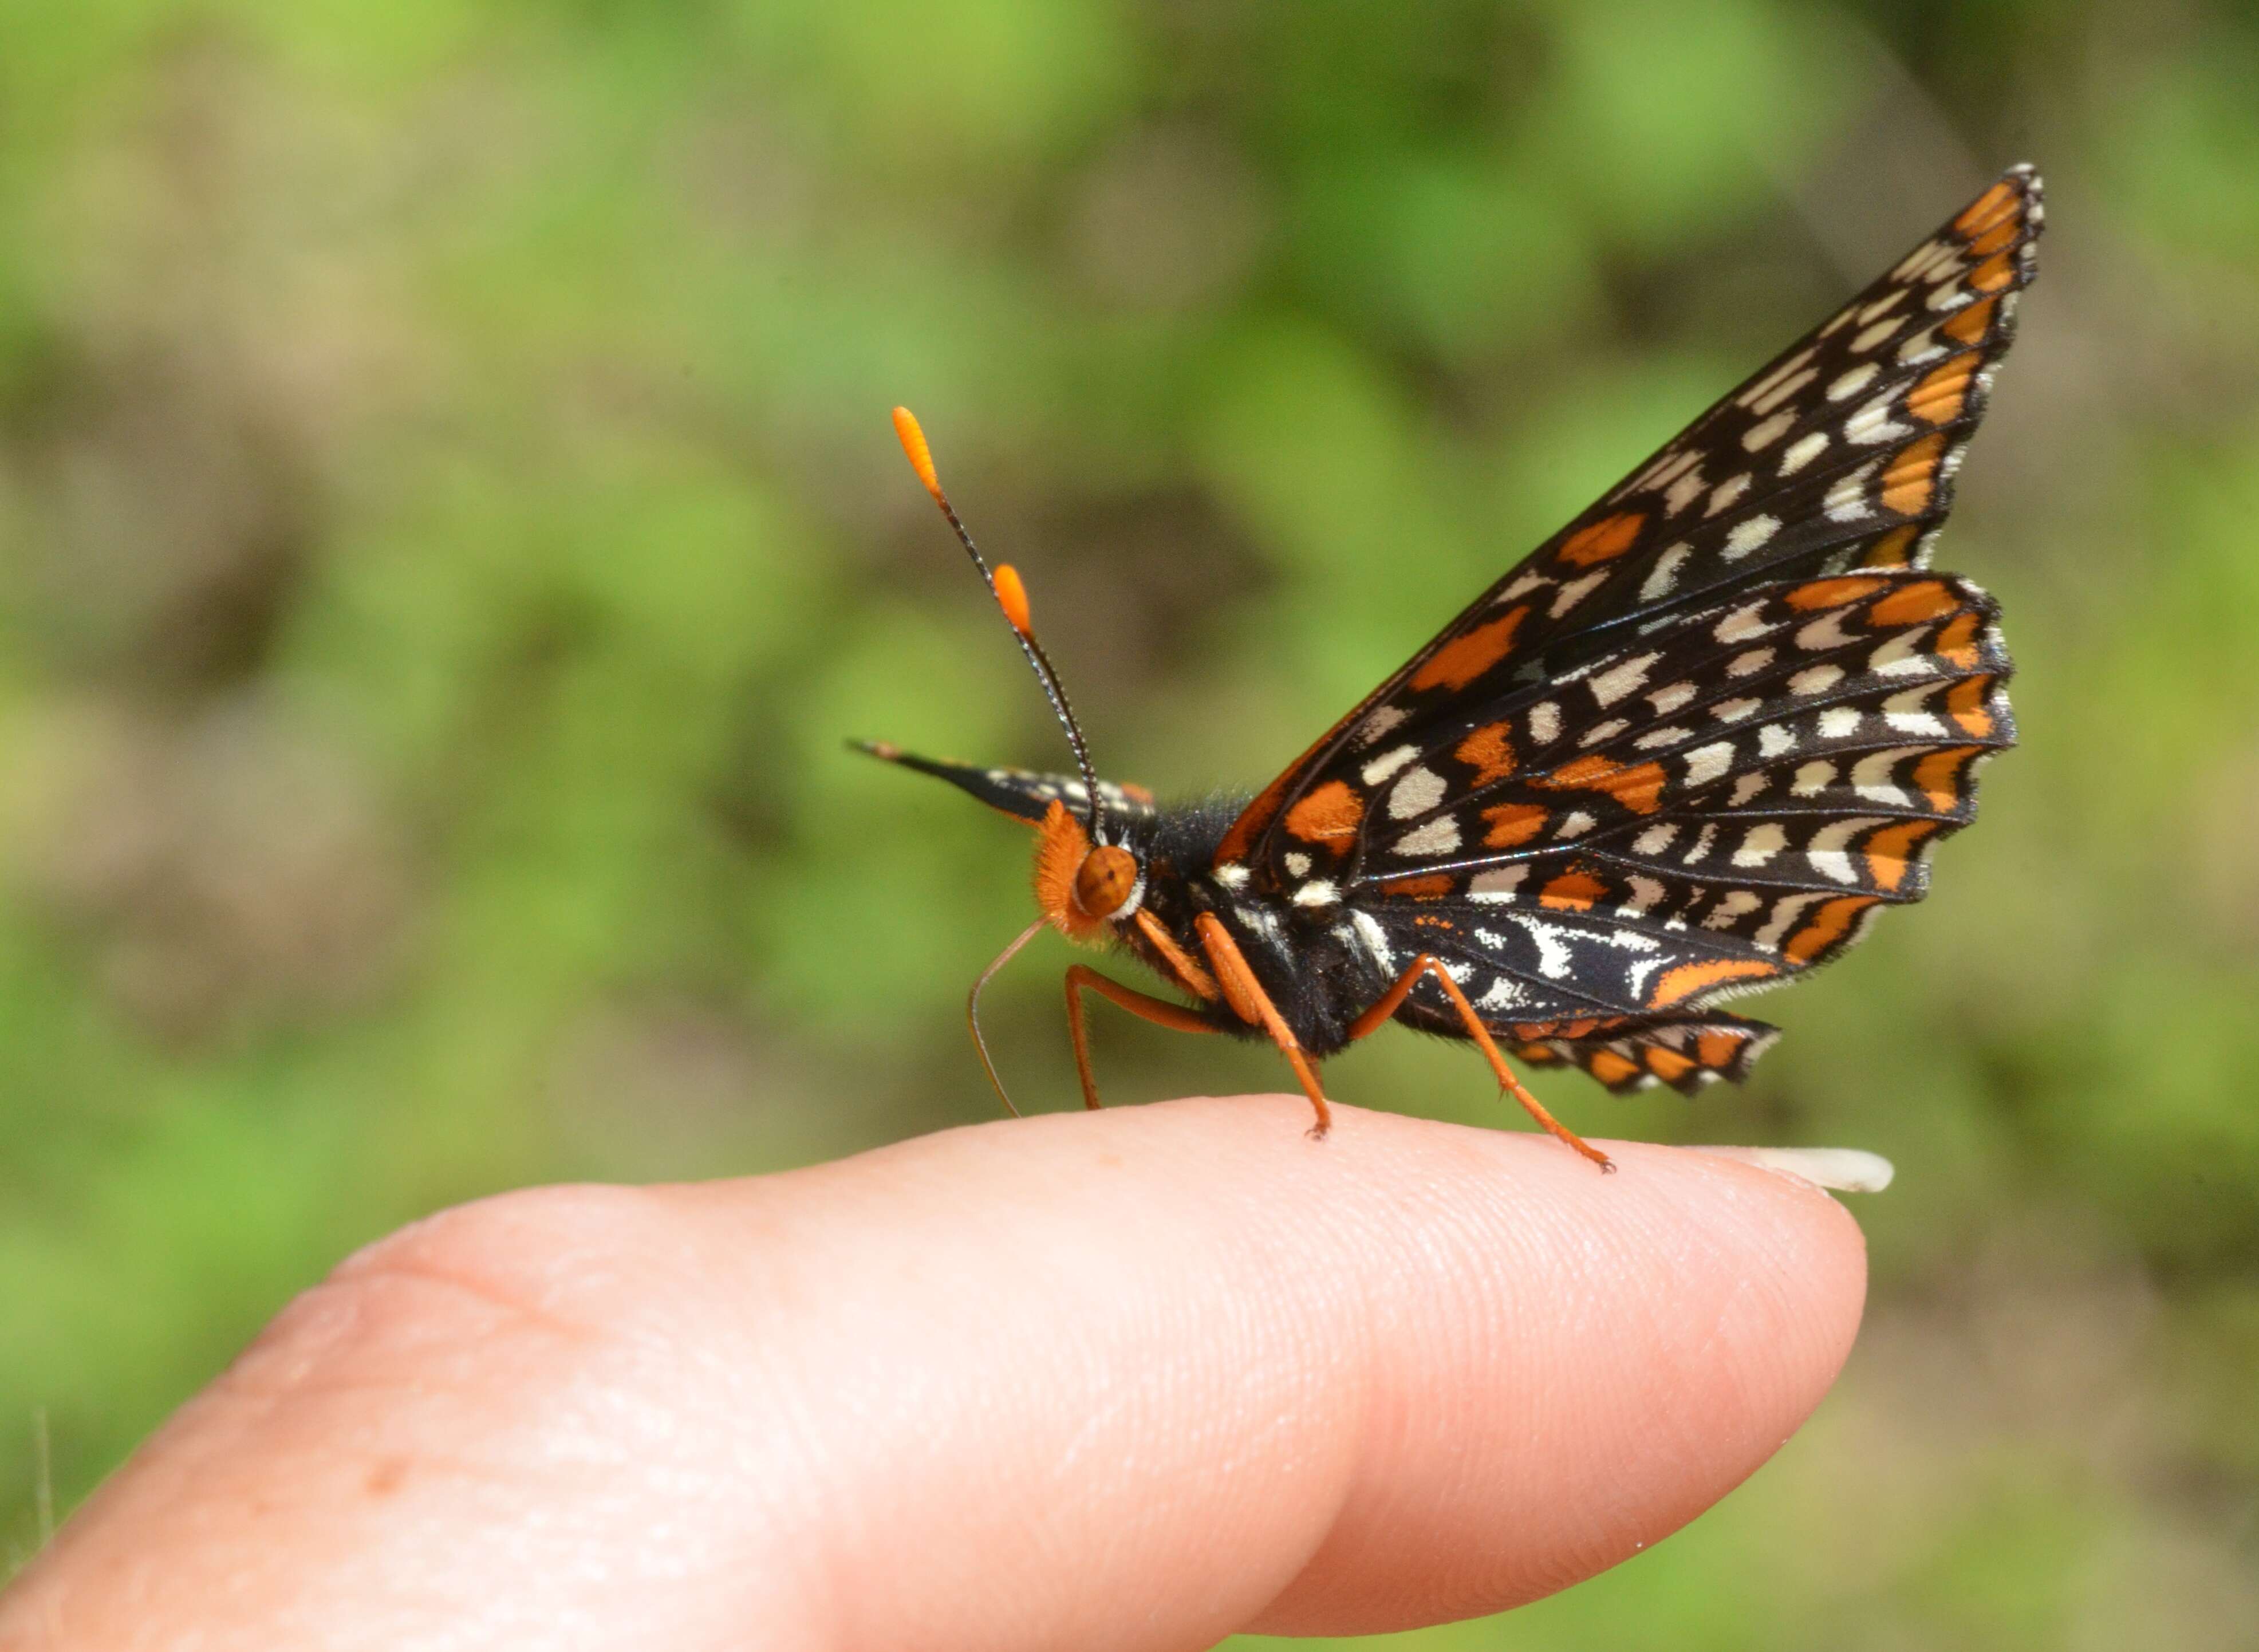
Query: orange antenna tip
pixel 914 443
pixel 1012 597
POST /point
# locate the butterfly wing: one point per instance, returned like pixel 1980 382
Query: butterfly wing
pixel 1694 741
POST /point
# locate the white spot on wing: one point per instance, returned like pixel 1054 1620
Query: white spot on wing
pixel 1749 536
pixel 1802 451
pixel 1780 393
pixel 1733 904
pixel 1600 734
pixel 1707 763
pixel 1498 884
pixel 1873 423
pixel 1742 624
pixel 1438 836
pixel 1760 845
pixel 1388 762
pixel 1379 723
pixel 1726 493
pixel 1419 790
pixel 1618 681
pixel 1757 438
pixel 1575 592
pixel 1664 574
pixel 1852 383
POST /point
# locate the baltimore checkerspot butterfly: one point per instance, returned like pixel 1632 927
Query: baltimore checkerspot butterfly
pixel 1684 750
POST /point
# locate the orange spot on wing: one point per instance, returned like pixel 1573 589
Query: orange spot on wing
pixel 1638 788
pixel 1956 644
pixel 1610 537
pixel 1689 978
pixel 1893 550
pixel 1830 924
pixel 1513 823
pixel 1463 659
pixel 1911 478
pixel 1136 792
pixel 1832 592
pixel 1716 1047
pixel 1966 701
pixel 1611 1068
pixel 1994 274
pixel 1487 752
pixel 1994 239
pixel 1668 1065
pixel 1911 604
pixel 1572 891
pixel 1432 887
pixel 1331 811
pixel 1886 851
pixel 1939 777
pixel 1986 210
pixel 1940 397
pixel 1970 325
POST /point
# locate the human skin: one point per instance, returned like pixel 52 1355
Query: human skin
pixel 1129 1379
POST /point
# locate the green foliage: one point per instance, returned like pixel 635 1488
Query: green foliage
pixel 449 523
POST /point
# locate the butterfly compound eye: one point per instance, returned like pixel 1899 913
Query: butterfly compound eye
pixel 1105 881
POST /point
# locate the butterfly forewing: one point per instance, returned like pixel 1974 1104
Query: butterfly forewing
pixel 1839 454
pixel 1692 743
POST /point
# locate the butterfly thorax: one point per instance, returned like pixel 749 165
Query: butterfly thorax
pixel 1315 980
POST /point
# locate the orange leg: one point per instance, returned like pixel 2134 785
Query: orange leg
pixel 1081 979
pixel 1252 1005
pixel 1375 1018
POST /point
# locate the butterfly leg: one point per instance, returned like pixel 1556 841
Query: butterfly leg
pixel 1081 979
pixel 1252 1005
pixel 1426 964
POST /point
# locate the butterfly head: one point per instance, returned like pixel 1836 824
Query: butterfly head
pixel 1082 886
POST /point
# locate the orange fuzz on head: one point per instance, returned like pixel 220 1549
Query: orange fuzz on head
pixel 1062 845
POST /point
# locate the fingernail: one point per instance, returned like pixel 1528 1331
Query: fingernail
pixel 1845 1169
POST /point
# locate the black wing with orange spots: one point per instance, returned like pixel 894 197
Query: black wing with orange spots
pixel 1692 742
pixel 1022 792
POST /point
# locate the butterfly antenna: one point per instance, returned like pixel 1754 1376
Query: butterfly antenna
pixel 1011 596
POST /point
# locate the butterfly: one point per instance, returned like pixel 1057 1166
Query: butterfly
pixel 1683 751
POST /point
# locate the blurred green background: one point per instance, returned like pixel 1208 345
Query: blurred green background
pixel 449 523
